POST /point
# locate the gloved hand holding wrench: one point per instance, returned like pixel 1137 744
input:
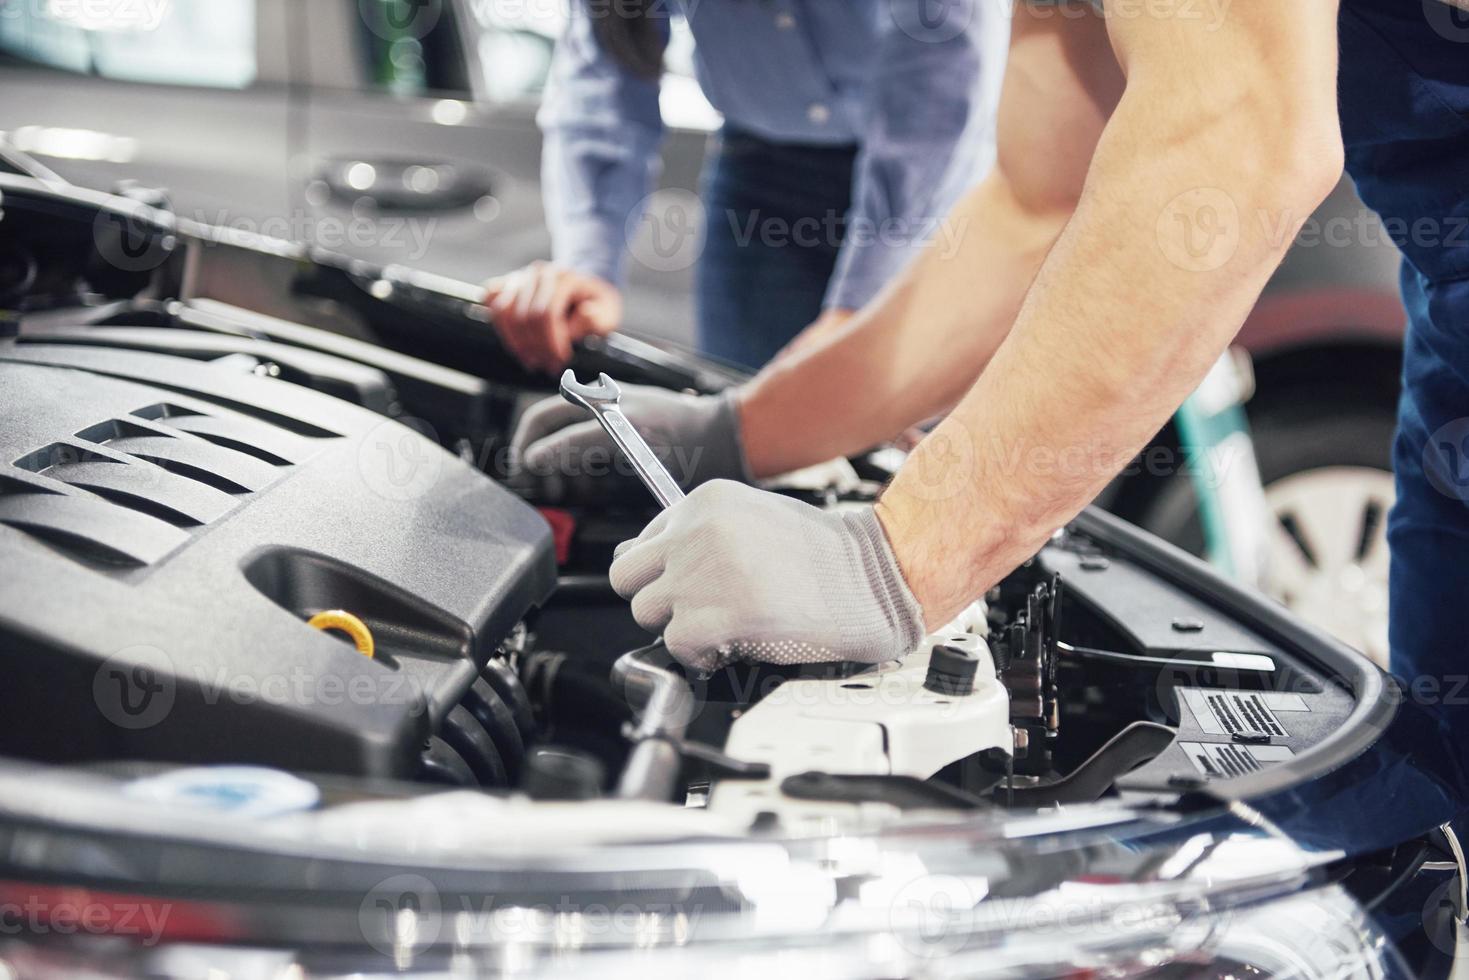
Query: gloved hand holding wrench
pixel 566 458
pixel 602 400
pixel 732 573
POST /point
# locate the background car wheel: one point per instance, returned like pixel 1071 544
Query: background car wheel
pixel 1327 467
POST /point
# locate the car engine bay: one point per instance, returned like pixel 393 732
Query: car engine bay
pixel 197 464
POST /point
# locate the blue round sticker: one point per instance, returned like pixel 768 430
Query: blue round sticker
pixel 240 791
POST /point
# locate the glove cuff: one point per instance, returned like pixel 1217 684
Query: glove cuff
pixel 724 447
pixel 900 609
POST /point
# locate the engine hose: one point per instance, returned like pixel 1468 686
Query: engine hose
pixel 566 692
pixel 506 683
pixel 466 736
pixel 482 701
pixel 442 765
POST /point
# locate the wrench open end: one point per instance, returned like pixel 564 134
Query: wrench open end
pixel 601 399
pixel 602 392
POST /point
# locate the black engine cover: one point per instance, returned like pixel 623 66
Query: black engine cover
pixel 168 526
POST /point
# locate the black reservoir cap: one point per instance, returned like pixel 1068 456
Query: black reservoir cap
pixel 951 671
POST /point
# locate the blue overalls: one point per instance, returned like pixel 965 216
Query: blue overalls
pixel 1405 120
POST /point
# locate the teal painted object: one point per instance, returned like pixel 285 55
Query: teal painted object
pixel 1197 433
pixel 1214 433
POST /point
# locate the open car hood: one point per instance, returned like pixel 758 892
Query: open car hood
pixel 192 472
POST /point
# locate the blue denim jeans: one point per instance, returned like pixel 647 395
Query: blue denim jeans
pixel 773 231
pixel 1405 120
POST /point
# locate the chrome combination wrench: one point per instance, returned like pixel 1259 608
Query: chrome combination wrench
pixel 601 399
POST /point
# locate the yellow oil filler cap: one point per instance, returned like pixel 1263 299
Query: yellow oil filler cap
pixel 344 622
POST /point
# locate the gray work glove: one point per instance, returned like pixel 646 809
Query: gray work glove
pixel 735 573
pixel 565 455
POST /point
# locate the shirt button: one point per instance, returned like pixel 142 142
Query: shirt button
pixel 818 114
pixel 785 20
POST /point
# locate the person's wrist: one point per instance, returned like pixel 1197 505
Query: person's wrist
pixel 898 521
pixel 901 607
pixel 598 280
pixel 602 268
pixel 729 408
pixel 756 449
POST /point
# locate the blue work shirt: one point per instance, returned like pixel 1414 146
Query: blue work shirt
pixel 912 84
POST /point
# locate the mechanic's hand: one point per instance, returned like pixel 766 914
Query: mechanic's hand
pixel 735 573
pixel 542 309
pixel 564 454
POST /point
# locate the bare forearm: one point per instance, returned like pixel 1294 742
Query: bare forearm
pixel 911 353
pixel 1131 308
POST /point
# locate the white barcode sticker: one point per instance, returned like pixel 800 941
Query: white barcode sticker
pixel 1284 701
pixel 1224 759
pixel 1239 712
